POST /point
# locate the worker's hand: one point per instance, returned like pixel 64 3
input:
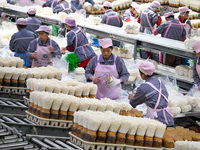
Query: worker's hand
pixel 199 88
pixel 83 7
pixel 96 79
pixel 137 15
pixel 3 15
pixel 33 55
pixel 114 82
pixel 63 49
pixel 184 24
pixel 51 49
pixel 130 96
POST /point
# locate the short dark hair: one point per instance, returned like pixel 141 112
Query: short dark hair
pixel 108 47
pixel 145 74
pixel 172 16
pixel 21 26
pixel 107 7
pixel 31 15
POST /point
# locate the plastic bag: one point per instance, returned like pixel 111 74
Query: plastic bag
pixel 61 64
pixel 189 42
pixel 132 27
pixel 5 52
pixel 3 3
pixel 94 20
pixel 194 98
pixel 82 12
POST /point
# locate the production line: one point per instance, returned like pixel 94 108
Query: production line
pixel 56 108
pixel 19 11
pixel 142 41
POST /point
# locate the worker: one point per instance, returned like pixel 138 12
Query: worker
pixel 20 40
pixel 132 13
pixel 50 3
pixel 111 18
pixel 33 23
pixel 77 42
pixel 79 4
pixel 147 19
pixel 42 49
pixel 104 66
pixel 196 70
pixel 11 2
pixel 172 29
pixel 183 18
pixel 64 6
pixel 154 93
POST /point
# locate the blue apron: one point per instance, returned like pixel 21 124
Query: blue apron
pixel 25 59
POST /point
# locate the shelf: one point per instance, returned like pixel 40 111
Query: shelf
pixel 143 41
pixel 19 11
pixel 188 114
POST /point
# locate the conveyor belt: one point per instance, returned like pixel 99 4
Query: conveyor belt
pixel 12 106
pixel 12 92
pixel 187 114
pixel 51 142
pixel 12 140
pixel 21 123
pixel 143 41
pixel 21 12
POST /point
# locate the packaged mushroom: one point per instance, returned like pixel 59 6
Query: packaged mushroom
pixel 139 138
pixel 94 20
pixel 103 128
pixel 109 127
pixel 150 132
pixel 132 28
pixel 160 130
pixel 124 128
pixel 114 127
pixel 93 126
pixel 47 101
pixel 131 133
pixel 64 108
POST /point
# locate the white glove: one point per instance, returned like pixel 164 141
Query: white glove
pixel 114 82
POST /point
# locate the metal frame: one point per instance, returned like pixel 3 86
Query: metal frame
pixel 36 129
pixel 21 12
pixel 143 41
pixel 188 114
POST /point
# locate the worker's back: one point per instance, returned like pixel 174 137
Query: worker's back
pixel 112 18
pixel 172 29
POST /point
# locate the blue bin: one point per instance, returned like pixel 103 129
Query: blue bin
pixel 96 41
